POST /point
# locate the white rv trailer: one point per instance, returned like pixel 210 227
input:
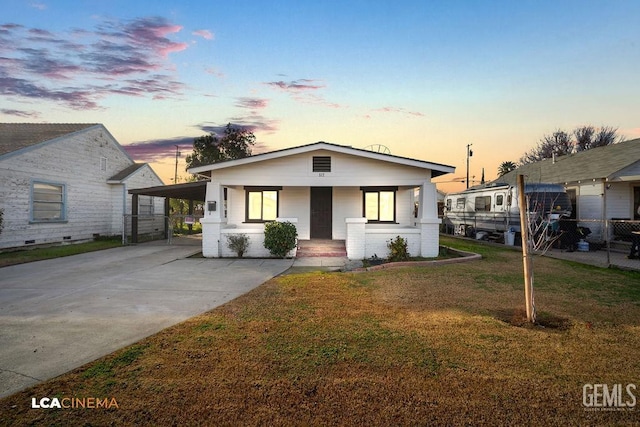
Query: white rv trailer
pixel 494 207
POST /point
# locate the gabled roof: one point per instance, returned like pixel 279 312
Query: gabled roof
pixel 16 136
pixel 129 171
pixel 436 168
pixel 125 173
pixel 598 163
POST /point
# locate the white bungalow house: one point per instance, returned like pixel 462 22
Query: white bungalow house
pixel 328 191
pixel 68 182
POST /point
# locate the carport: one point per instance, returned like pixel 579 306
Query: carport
pixel 191 191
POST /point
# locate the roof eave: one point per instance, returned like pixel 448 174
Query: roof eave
pixel 442 169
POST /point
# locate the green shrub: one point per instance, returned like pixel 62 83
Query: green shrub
pixel 280 238
pixel 398 250
pixel 239 243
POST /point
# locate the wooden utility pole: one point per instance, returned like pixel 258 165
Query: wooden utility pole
pixel 526 256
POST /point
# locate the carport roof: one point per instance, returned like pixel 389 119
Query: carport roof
pixel 188 190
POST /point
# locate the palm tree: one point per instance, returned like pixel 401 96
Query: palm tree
pixel 506 167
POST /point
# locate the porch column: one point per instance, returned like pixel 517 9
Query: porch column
pixel 428 221
pixel 213 220
pixel 356 238
pixel 134 219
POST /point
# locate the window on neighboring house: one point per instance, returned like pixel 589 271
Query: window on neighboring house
pixel 322 163
pixel 261 203
pixel 103 163
pixel 483 203
pixel 48 202
pixel 145 206
pixel 379 203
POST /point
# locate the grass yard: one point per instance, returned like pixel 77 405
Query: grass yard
pixel 443 345
pixel 38 254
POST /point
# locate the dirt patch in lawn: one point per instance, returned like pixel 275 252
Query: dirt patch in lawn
pixel 408 346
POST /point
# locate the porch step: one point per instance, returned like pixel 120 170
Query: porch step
pixel 321 248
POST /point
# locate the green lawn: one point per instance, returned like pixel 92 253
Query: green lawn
pixel 444 345
pixel 37 254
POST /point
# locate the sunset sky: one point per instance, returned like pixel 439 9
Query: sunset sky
pixel 423 78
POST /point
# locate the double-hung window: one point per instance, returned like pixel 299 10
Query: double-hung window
pixel 261 203
pixel 48 202
pixel 379 203
pixel 145 206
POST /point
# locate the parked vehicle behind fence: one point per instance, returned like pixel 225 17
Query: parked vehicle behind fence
pixel 493 208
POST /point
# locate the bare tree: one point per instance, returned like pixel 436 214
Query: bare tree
pixel 588 137
pixel 584 137
pixel 606 136
pixel 561 143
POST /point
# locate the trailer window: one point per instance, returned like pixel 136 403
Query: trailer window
pixel 483 203
pixel 448 204
pixel 499 200
pixel 460 203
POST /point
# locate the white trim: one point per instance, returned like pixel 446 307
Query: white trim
pixel 324 146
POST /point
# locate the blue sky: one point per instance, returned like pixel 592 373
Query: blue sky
pixel 424 78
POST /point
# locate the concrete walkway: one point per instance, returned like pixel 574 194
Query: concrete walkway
pixel 597 258
pixel 58 314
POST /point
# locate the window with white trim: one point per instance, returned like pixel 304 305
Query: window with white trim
pixel 261 204
pixel 145 205
pixel 48 202
pixel 379 203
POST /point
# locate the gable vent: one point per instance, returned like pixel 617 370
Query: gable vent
pixel 322 163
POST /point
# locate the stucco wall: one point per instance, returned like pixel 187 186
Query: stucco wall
pixel 346 170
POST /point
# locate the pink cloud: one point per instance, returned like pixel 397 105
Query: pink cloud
pixel 631 133
pixel 205 34
pixel 252 103
pixel 300 85
pixel 20 113
pixel 398 111
pixel 174 47
pixel 214 72
pixel 81 67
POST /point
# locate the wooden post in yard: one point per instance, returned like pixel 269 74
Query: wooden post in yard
pixel 526 256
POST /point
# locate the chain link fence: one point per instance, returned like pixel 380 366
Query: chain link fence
pixel 615 234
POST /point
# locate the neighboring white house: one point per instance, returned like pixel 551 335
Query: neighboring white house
pixel 603 183
pixel 328 191
pixel 67 182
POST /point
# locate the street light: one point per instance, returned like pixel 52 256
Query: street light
pixel 469 154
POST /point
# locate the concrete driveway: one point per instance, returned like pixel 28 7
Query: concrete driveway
pixel 59 314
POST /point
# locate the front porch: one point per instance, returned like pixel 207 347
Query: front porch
pixel 362 240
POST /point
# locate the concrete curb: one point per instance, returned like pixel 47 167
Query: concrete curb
pixel 464 257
